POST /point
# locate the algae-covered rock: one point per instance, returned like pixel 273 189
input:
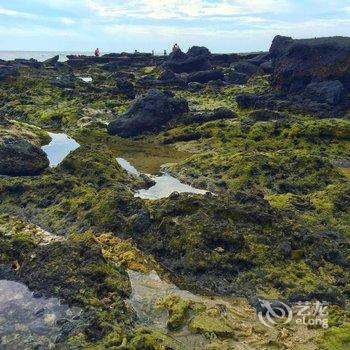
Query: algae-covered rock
pixel 179 310
pixel 211 322
pixel 336 338
pixel 153 340
pixel 19 157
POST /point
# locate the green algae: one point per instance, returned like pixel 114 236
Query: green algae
pixel 291 163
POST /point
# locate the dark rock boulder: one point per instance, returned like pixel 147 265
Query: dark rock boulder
pixel 19 157
pixel 125 87
pixel 246 67
pixel 299 62
pixel 330 92
pixel 234 77
pixel 51 62
pixel 148 114
pixel 196 51
pixel 8 72
pixel 205 76
pixel 196 59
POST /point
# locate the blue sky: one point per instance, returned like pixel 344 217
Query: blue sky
pixel 145 25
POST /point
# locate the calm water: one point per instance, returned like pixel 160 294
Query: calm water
pixel 165 184
pixel 39 55
pixel 147 290
pixel 44 55
pixel 26 322
pixel 59 148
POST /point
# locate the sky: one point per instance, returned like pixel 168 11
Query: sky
pixel 146 25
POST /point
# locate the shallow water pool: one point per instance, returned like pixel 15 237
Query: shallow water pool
pixel 27 322
pixel 165 184
pixel 59 148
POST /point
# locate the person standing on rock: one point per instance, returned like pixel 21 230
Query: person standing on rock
pixel 176 47
pixel 97 52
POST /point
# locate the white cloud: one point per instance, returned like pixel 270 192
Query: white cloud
pixel 13 13
pixel 67 20
pixel 184 9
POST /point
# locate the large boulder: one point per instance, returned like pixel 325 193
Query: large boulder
pixel 297 63
pixel 205 76
pixel 148 114
pixel 51 62
pixel 196 59
pixel 19 157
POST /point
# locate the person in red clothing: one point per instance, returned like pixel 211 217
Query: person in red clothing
pixel 97 52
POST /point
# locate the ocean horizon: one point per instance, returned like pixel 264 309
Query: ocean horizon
pixel 9 55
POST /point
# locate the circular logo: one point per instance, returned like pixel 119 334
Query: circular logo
pixel 271 311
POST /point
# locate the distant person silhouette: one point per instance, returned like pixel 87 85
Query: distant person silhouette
pixel 97 52
pixel 176 47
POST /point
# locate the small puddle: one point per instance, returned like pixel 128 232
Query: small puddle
pixel 27 322
pixel 147 290
pixel 59 148
pixel 127 166
pixel 165 184
pixel 86 79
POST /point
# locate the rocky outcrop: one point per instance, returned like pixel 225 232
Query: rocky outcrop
pixel 196 59
pixel 297 63
pixel 33 63
pixel 308 75
pixel 19 157
pixel 8 72
pixel 148 114
pixel 51 62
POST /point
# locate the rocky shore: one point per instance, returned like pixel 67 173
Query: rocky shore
pixel 265 136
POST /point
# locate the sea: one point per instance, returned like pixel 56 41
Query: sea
pixel 41 55
pixel 44 55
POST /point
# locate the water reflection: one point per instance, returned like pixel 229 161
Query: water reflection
pixel 59 148
pixel 165 184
